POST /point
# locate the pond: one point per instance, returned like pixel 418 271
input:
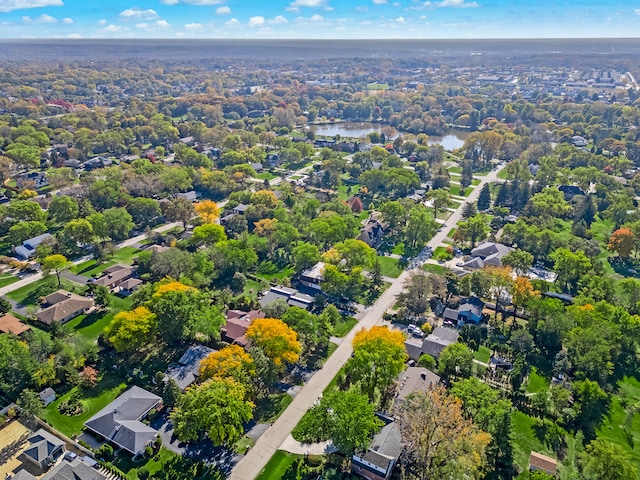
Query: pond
pixel 452 140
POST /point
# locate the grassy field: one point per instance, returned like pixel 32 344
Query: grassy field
pixel 526 438
pixel 91 326
pixel 269 409
pixel 433 268
pixel 251 288
pixel 93 268
pixel 266 176
pixel 269 271
pixel 7 279
pixel 503 174
pixel 29 294
pixel 537 383
pixel 483 354
pixel 398 249
pixel 93 400
pixel 277 465
pixel 457 190
pixel 389 266
pixel 342 328
pixel 440 253
pixel 613 427
pixel 455 170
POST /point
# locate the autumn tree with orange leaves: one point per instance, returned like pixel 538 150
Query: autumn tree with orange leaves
pixel 230 362
pixel 522 291
pixel 208 211
pixel 622 241
pixel 378 358
pixel 278 342
pixel 439 442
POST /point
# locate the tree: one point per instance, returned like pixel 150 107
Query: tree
pixel 590 405
pixel 264 197
pixel 455 360
pixel 278 341
pixel 427 361
pixel 101 296
pixel 130 331
pixel 207 210
pixel 378 358
pixel 218 407
pixel 483 405
pixel 469 210
pixel 549 203
pixel 208 234
pixel 5 306
pixel 473 229
pixel 570 266
pixel 418 290
pixel 180 210
pixel 603 460
pixel 185 313
pixel 118 223
pixel 521 293
pixel 623 242
pixel 484 199
pixel 55 263
pixel 63 208
pixel 230 362
pixel 499 283
pixel 305 255
pixel 25 230
pixel 144 211
pixel 26 211
pixel 439 441
pixel 439 199
pixel 16 366
pixel 520 260
pixel 30 403
pixel 419 229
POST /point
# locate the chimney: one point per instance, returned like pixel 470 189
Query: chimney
pixel 423 375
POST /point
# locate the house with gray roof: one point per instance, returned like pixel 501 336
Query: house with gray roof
pixel 487 254
pixel 28 247
pixel 293 297
pixel 378 461
pixel 44 449
pixel 72 467
pixel 415 379
pixel 185 372
pixel 433 345
pixel 120 421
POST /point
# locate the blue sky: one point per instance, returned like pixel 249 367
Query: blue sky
pixel 319 18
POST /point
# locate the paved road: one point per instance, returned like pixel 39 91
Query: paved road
pixel 126 243
pixel 252 464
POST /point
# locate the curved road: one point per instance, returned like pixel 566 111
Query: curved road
pixel 252 464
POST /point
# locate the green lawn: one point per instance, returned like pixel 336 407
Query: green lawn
pixel 441 254
pixel 270 408
pixel 266 176
pixel 537 383
pixel 251 289
pixel 7 280
pixel 93 399
pixel 483 354
pixel 91 326
pixel 270 271
pixel 277 465
pixel 503 174
pixel 165 465
pixel 452 232
pixel 93 268
pixel 526 439
pixel 433 268
pixel 389 266
pixel 29 294
pixel 613 427
pixel 475 182
pixel 457 190
pixel 342 328
pixel 398 249
pixel 455 170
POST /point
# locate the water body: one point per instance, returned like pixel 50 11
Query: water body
pixel 452 140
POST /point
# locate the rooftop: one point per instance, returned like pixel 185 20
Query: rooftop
pixel 10 324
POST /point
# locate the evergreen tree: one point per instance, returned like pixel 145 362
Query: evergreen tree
pixel 484 199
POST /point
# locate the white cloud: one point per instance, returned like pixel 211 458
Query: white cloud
pixel 296 4
pixel 10 5
pixel 380 2
pixel 102 22
pixel 74 35
pixel 256 21
pixel 139 13
pixel 232 22
pixel 141 26
pixel 68 21
pixel 457 4
pixel 316 18
pixel 112 28
pixel 193 26
pixel 162 24
pixel 400 20
pixel 279 20
pixel 44 18
pixel 223 10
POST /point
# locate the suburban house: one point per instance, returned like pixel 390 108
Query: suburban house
pixel 538 461
pixel 114 276
pixel 97 162
pixel 373 231
pixel 378 461
pixel 44 449
pixel 62 306
pixel 48 395
pixel 486 254
pixel 273 160
pixel 71 467
pixel 570 191
pixel 563 297
pixel 184 373
pixel 433 345
pixel 191 196
pixel 10 324
pixel 290 295
pixel 237 324
pixel 39 180
pixel 415 379
pixel 120 421
pixel 28 247
pixel 469 311
pixel 240 209
pixel 579 141
pixel 312 277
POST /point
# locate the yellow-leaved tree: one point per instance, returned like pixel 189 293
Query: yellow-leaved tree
pixel 208 211
pixel 128 331
pixel 378 358
pixel 230 362
pixel 172 286
pixel 278 342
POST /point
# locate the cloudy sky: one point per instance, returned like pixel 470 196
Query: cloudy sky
pixel 319 18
